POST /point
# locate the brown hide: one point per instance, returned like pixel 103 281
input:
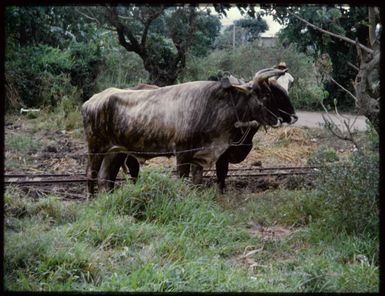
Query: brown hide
pixel 193 119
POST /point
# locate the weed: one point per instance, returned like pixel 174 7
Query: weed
pixel 352 194
pixel 290 208
pixel 51 208
pixel 21 143
pixel 322 156
pixel 65 116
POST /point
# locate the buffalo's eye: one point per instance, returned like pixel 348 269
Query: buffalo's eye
pixel 258 100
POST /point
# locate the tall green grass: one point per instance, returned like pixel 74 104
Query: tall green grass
pixel 162 234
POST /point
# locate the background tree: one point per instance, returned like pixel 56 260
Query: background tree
pixel 55 26
pixel 348 38
pixel 162 36
pixel 50 53
pixel 246 30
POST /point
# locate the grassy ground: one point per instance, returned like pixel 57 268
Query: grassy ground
pixel 164 234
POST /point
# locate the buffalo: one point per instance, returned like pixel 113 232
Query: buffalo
pixel 201 122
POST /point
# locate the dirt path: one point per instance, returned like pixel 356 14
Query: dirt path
pixel 314 119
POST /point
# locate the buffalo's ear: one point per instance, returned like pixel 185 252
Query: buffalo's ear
pixel 225 83
pixel 230 80
pixel 239 85
pixel 243 88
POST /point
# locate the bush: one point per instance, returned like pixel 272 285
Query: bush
pixel 87 60
pixel 121 69
pixel 351 193
pixel 306 95
pixel 42 75
pixel 56 88
pixel 323 156
pixel 33 69
pixel 246 60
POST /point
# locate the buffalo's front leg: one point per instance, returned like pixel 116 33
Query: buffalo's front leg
pixel 222 168
pixel 182 167
pixel 197 173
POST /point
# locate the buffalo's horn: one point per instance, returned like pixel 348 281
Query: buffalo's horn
pixel 265 74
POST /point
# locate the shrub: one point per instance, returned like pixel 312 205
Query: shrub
pixel 42 75
pixel 56 88
pixel 323 156
pixel 120 69
pixel 87 60
pixel 244 61
pixel 351 192
pixel 374 139
pixel 33 69
pixel 306 95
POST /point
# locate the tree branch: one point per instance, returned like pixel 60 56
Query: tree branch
pixel 336 131
pixel 123 31
pixel 367 49
pixel 343 88
pixel 353 66
pixel 87 16
pixel 188 39
pixel 147 24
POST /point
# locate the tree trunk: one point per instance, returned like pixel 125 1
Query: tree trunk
pixel 366 87
pixel 160 79
pixel 160 76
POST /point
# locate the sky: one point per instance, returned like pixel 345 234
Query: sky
pixel 234 14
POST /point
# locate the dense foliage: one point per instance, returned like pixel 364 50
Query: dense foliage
pixel 161 35
pixel 352 193
pixel 54 52
pixel 44 75
pixel 347 21
pixel 242 62
pixel 50 55
pixel 57 52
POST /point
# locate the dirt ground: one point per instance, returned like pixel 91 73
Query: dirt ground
pixel 315 119
pixel 64 152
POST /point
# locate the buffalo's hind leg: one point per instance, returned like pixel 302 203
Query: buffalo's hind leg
pixel 133 166
pixel 109 170
pixel 93 166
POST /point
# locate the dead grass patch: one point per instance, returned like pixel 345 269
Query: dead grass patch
pixel 270 233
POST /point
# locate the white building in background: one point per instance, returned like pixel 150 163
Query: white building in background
pixel 266 41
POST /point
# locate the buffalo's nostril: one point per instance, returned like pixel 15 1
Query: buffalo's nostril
pixel 278 123
pixel 294 119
